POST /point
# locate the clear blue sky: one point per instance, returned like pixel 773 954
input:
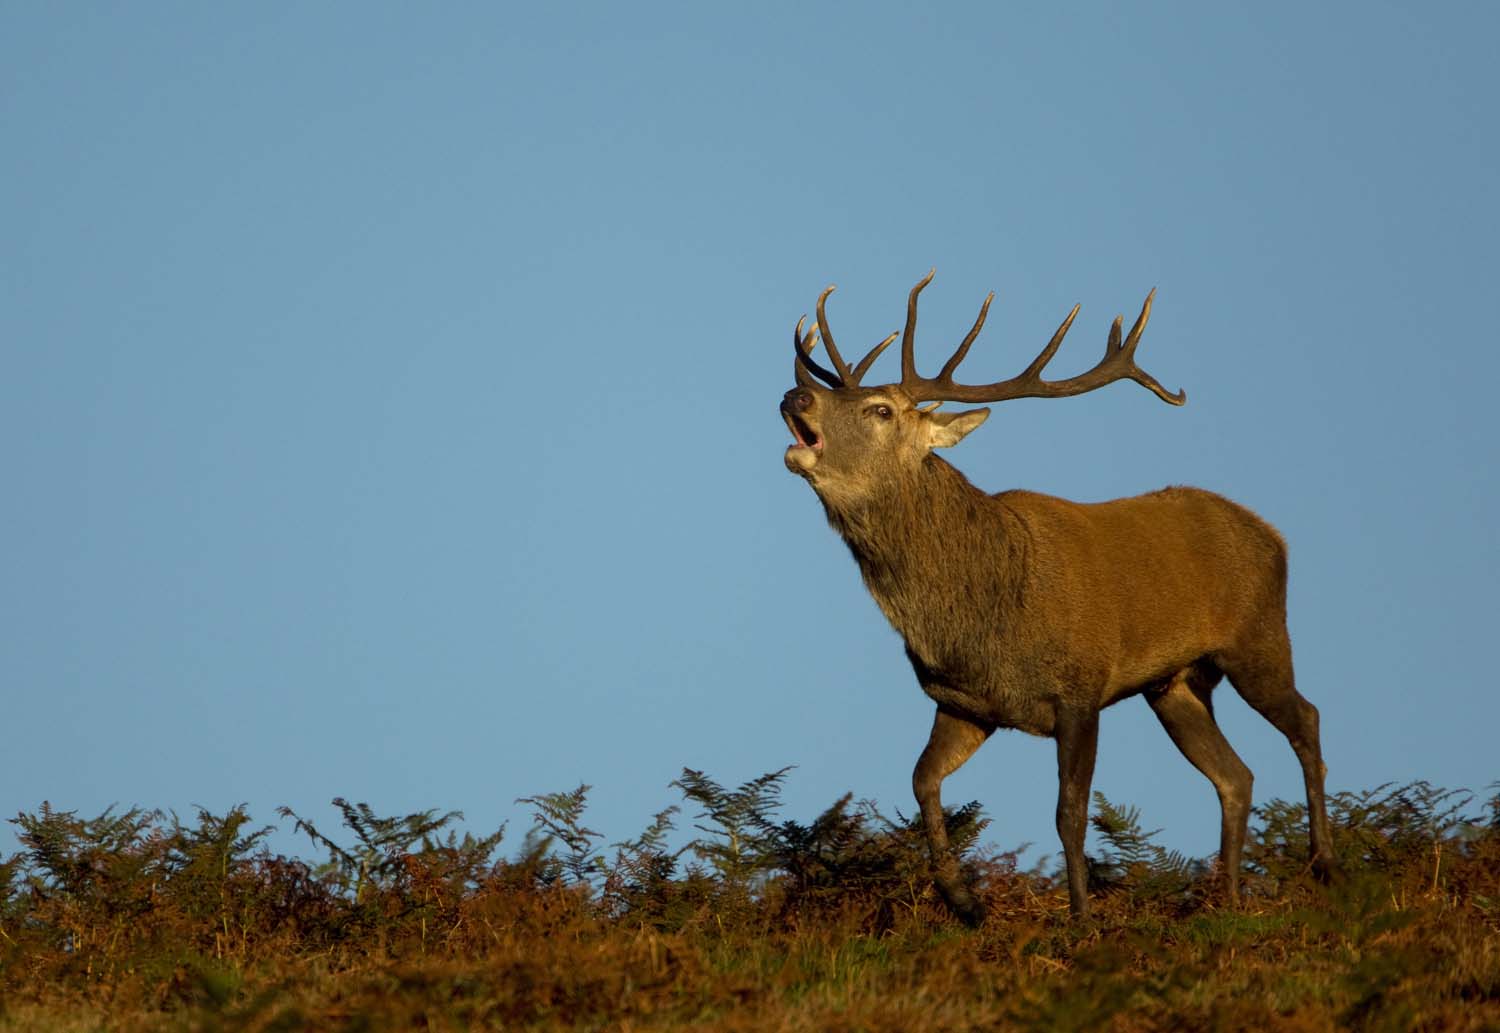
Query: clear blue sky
pixel 388 404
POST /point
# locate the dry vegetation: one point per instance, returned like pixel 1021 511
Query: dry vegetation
pixel 139 920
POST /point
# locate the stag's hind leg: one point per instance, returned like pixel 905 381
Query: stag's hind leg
pixel 1185 708
pixel 953 741
pixel 1262 674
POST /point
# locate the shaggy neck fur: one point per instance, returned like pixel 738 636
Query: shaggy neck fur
pixel 927 545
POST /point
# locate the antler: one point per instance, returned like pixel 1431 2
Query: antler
pixel 1118 363
pixel 806 364
pixel 845 377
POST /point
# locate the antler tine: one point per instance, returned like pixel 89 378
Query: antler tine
pixel 963 349
pixel 1140 322
pixel 1039 363
pixel 799 370
pixel 865 363
pixel 833 353
pixel 909 335
pixel 805 363
pixel 1118 363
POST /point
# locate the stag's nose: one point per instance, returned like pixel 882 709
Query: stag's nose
pixel 797 400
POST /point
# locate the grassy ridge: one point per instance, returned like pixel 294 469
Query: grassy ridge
pixel 139 920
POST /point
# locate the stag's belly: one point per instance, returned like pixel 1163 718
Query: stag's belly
pixel 1022 680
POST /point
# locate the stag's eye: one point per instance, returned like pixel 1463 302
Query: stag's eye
pixel 885 412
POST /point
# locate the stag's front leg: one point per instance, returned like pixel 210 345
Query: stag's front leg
pixel 1077 744
pixel 953 741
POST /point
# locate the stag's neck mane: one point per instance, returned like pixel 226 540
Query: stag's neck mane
pixel 932 530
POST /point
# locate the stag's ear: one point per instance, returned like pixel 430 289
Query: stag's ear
pixel 949 428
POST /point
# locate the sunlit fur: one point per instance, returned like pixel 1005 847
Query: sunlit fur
pixel 1025 611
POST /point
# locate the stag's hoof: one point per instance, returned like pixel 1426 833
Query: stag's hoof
pixel 1327 871
pixel 964 905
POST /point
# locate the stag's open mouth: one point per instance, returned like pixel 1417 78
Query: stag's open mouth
pixel 803 432
pixel 803 456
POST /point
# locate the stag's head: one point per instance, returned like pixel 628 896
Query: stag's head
pixel 852 439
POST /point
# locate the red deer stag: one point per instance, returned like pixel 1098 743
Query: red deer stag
pixel 1024 611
